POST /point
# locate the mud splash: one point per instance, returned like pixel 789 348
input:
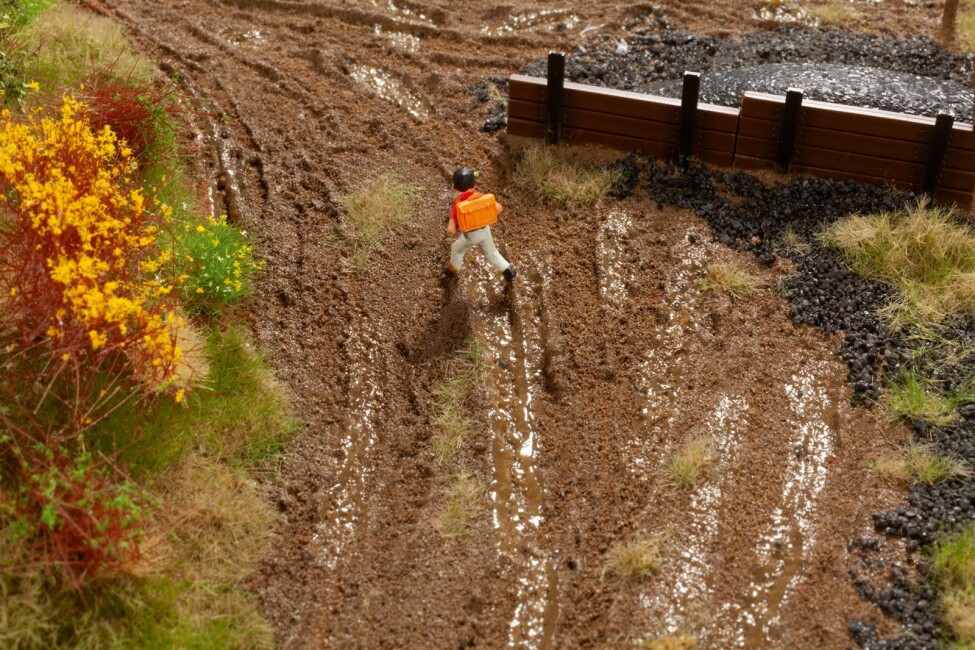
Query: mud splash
pixel 785 548
pixel 342 510
pixel 614 273
pixel 401 40
pixel 661 371
pixel 390 89
pixel 691 584
pixel 510 331
pixel 550 19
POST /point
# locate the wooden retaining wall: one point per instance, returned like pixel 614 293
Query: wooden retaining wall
pixel 827 140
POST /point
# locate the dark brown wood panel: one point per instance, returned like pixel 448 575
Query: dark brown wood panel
pixel 853 176
pixel 961 198
pixel 867 145
pixel 721 158
pixel 623 103
pixel 651 147
pixel 756 129
pixel 526 110
pixel 852 119
pixel 756 148
pixel 749 162
pixel 525 128
pixel 575 118
pixel 896 170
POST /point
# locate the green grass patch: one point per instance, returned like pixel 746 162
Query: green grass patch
pixel 240 415
pixel 549 174
pixel 462 499
pixel 952 565
pixel 222 264
pixel 69 45
pixel 918 463
pixel 632 562
pixel 372 212
pixel 917 399
pixel 670 642
pixel 185 593
pixel 691 464
pixel 731 278
pixel 922 251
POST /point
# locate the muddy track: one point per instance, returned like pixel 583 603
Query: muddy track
pixel 603 358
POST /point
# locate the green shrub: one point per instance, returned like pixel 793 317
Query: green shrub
pixel 222 264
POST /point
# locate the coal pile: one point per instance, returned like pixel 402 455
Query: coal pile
pixel 841 84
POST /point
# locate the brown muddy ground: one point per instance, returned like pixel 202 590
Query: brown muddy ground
pixel 604 358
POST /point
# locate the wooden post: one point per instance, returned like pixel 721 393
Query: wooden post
pixel 688 111
pixel 939 149
pixel 790 125
pixel 555 89
pixel 948 21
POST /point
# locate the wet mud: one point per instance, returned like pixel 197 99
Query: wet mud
pixel 603 358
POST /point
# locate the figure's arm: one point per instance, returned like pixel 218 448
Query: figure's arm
pixel 500 207
pixel 451 225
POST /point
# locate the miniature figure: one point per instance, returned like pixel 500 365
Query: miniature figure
pixel 473 213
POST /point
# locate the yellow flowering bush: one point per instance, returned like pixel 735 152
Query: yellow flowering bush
pixel 81 271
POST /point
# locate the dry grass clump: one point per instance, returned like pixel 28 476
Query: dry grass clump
pixel 545 172
pixel 836 13
pixel 917 399
pixel 670 642
pixel 966 26
pixel 793 241
pixel 731 278
pixel 372 212
pixel 631 562
pixel 918 463
pixel 72 44
pixel 462 498
pixel 922 251
pixel 952 564
pixel 454 426
pixel 691 464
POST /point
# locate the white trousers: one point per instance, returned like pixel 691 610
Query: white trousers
pixel 483 240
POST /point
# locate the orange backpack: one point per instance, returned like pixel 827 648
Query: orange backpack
pixel 476 212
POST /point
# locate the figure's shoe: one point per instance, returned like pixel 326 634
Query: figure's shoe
pixel 510 273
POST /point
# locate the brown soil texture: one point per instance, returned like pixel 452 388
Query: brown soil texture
pixel 603 359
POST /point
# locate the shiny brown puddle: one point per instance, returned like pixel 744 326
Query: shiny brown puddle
pixel 509 329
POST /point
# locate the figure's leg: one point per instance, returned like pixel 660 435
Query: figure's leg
pixel 457 251
pixel 486 243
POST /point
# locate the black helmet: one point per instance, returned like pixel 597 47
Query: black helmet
pixel 464 179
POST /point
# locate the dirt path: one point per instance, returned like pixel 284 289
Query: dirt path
pixel 603 359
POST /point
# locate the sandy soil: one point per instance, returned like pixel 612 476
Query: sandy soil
pixel 604 357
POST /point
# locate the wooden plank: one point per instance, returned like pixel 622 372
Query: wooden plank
pixel 756 148
pixel 624 103
pixel 853 176
pixel 624 143
pixel 714 140
pixel 856 143
pixel 526 129
pixel 946 196
pixel 748 162
pixel 523 110
pixel 721 158
pixel 620 125
pixel 853 119
pixel 896 170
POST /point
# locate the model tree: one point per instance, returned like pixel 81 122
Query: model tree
pixel 948 19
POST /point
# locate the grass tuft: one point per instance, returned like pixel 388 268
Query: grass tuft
pixel 632 562
pixel 548 174
pixel 454 426
pixel 836 13
pixel 372 212
pixel 793 241
pixel 670 642
pixel 922 251
pixel 691 464
pixel 730 278
pixel 916 399
pixel 952 564
pixel 918 463
pixel 462 499
pixel 72 44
